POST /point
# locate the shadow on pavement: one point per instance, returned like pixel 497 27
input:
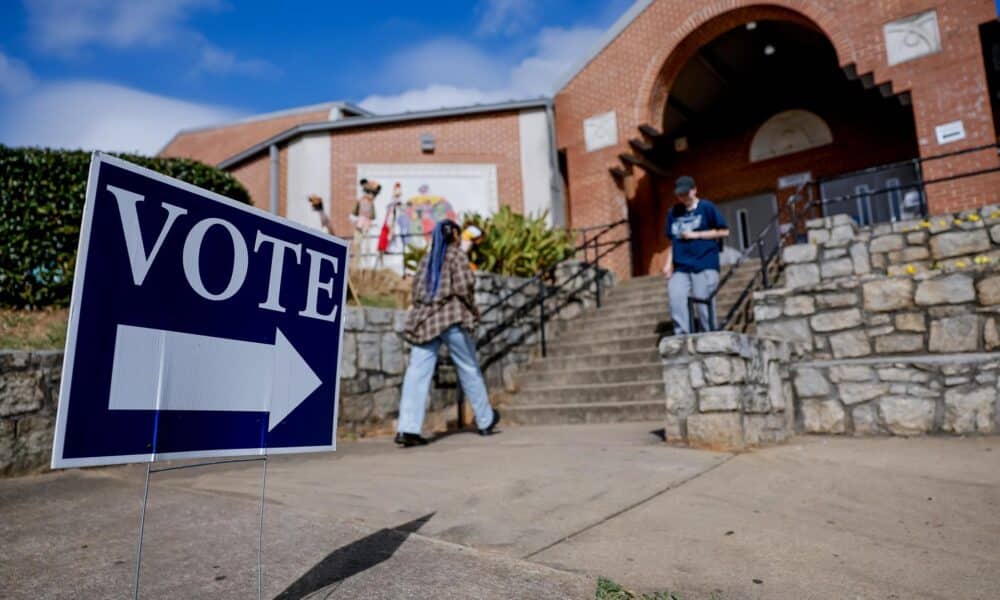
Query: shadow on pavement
pixel 352 559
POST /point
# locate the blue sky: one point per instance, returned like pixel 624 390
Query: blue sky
pixel 127 74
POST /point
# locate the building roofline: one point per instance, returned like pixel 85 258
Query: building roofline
pixel 609 36
pixel 372 120
pixel 347 106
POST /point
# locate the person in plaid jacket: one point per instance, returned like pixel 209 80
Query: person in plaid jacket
pixel 444 311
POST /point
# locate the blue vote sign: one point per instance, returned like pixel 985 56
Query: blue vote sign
pixel 198 327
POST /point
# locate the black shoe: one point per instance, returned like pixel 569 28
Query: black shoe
pixel 496 419
pixel 407 440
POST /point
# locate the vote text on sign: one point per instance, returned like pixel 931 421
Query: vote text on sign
pixel 198 327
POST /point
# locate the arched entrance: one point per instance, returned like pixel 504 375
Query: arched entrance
pixel 748 104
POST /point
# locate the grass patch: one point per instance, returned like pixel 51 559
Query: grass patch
pixel 378 300
pixel 609 590
pixel 43 329
pixel 380 288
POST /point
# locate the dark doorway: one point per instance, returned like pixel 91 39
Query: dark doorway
pixel 761 101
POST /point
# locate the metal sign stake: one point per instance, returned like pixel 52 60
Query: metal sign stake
pixel 142 525
pixel 260 536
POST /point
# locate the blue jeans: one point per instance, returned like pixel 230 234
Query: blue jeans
pixel 417 381
pixel 684 285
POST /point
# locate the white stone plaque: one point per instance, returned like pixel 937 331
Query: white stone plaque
pixel 950 132
pixel 912 37
pixel 600 131
pixel 794 180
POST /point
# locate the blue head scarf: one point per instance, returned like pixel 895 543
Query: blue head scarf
pixel 444 234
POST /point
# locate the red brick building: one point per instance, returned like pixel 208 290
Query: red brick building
pixel 740 94
pixel 885 107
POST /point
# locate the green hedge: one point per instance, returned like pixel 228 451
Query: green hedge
pixel 41 205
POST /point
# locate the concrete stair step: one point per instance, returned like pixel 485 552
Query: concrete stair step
pixel 573 414
pixel 622 374
pixel 603 345
pixel 593 361
pixel 600 319
pixel 631 306
pixel 586 335
pixel 593 392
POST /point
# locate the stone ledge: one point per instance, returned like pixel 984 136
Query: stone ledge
pixel 726 391
pixel 900 395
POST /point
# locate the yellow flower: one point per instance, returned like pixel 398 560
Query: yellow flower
pixel 973 218
pixel 960 264
pixel 995 214
pixel 911 269
pixel 925 224
pixel 982 260
pixel 943 222
pixel 957 221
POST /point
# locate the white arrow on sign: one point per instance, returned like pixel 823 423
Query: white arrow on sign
pixel 168 370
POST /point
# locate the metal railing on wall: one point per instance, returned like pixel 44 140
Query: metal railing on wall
pixel 801 210
pixel 526 309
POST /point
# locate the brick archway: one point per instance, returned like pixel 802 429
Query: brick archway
pixel 713 20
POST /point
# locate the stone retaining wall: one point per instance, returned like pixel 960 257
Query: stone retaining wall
pixel 875 315
pixel 726 390
pixel 838 248
pixel 893 327
pixel 899 395
pixel 29 396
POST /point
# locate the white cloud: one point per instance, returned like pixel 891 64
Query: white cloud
pixel 15 77
pixel 67 27
pixel 217 60
pixel 429 98
pixel 432 81
pixel 101 116
pixel 506 17
pixel 444 61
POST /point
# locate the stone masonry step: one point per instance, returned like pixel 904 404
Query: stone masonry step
pixel 572 414
pixel 592 392
pixel 603 345
pixel 629 374
pixel 593 361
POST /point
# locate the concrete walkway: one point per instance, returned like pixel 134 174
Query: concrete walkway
pixel 536 512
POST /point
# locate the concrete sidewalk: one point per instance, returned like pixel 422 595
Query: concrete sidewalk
pixel 536 512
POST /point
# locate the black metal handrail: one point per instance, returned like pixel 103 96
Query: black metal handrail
pixel 589 270
pixel 799 216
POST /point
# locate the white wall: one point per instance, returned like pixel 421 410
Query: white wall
pixel 468 187
pixel 536 163
pixel 308 173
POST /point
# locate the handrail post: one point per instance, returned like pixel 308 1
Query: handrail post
pixel 691 314
pixel 459 400
pixel 541 315
pixel 763 263
pixel 597 272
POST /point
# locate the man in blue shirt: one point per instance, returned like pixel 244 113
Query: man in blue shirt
pixel 694 227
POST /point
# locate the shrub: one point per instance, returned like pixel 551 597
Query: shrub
pixel 41 206
pixel 517 245
pixel 513 244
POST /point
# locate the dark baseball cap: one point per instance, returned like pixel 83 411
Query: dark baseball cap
pixel 684 184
